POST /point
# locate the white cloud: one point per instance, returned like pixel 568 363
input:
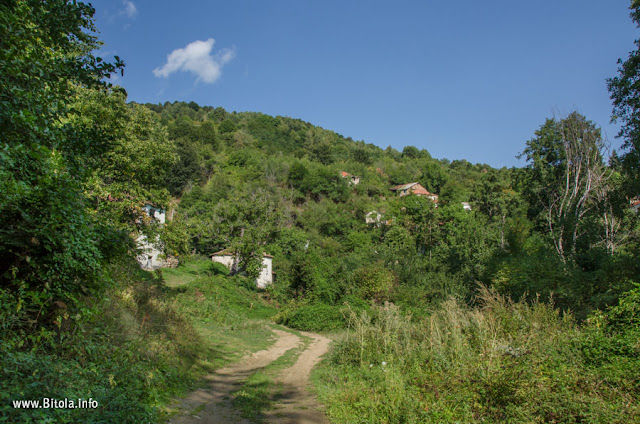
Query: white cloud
pixel 130 9
pixel 114 78
pixel 196 58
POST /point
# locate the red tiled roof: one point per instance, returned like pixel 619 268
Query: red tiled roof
pixel 416 190
pixel 345 174
pixel 420 190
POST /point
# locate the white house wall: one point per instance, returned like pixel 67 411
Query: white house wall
pixel 156 213
pixel 229 261
pixel 149 258
pixel 266 274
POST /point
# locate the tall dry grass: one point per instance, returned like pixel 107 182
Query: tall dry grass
pixel 500 361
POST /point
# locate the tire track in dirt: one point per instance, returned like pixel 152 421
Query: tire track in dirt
pixel 212 404
pixel 295 404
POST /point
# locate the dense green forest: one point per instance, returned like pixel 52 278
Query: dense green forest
pixel 529 293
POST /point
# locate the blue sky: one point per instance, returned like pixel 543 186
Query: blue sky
pixel 463 79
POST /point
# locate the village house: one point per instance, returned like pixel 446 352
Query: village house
pixel 414 189
pixel 353 179
pixel 150 256
pixel 154 212
pixel 635 204
pixel 231 260
pixel 466 206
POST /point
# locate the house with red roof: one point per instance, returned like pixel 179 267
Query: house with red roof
pixel 415 189
pixel 635 204
pixel 353 179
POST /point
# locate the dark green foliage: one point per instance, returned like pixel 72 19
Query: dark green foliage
pixel 129 351
pixel 297 174
pixel 314 317
pixel 410 152
pixel 624 90
pixel 567 175
pixel 363 156
pixel 48 240
pixel 374 282
pixel 434 176
pixel 226 126
pixel 187 169
pixel 613 338
pixel 398 239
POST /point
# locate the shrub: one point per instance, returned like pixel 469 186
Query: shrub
pixel 374 282
pixel 130 352
pixel 314 317
pixel 218 269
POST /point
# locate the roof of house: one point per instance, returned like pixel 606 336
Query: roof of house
pixel 415 190
pixel 403 186
pixel 345 174
pixel 228 252
pixel 635 202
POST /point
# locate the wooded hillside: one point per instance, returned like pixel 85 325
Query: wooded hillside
pixel 425 280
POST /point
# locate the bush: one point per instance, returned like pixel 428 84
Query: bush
pixel 314 317
pixel 610 343
pixel 374 282
pixel 130 352
pixel 218 269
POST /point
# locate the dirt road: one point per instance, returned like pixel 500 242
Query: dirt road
pixel 296 405
pixel 213 404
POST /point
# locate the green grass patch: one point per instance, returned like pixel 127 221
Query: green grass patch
pixel 221 300
pixel 224 345
pixel 319 316
pixel 187 271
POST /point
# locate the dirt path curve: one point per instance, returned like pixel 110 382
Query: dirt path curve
pixel 296 405
pixel 212 404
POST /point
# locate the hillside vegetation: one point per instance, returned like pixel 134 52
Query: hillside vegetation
pixel 522 309
pixel 255 183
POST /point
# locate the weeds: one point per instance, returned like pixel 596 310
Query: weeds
pixel 502 361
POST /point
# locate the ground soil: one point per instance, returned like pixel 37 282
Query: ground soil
pixel 213 403
pixel 295 404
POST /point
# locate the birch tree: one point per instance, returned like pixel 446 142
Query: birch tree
pixel 566 160
pixel 616 221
